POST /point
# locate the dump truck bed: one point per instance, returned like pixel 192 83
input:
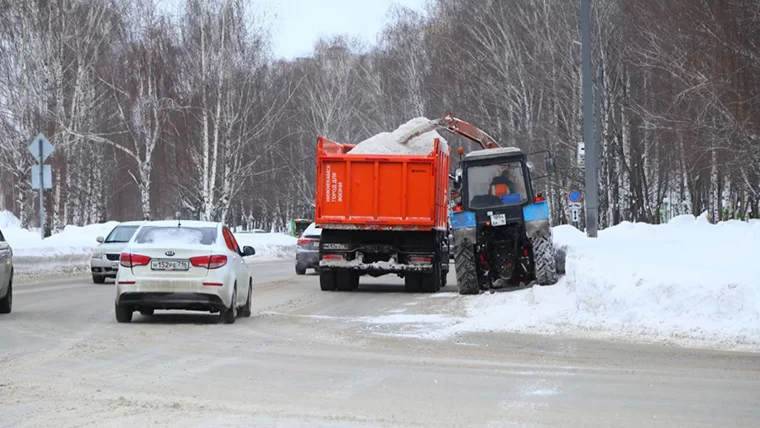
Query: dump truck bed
pixel 379 191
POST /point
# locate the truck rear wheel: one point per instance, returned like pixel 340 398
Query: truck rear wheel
pixel 431 283
pixel 327 280
pixel 412 283
pixel 347 281
pixel 466 270
pixel 544 260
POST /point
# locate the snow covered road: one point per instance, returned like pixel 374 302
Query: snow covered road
pixel 310 358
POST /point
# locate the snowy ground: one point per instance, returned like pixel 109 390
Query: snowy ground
pixel 688 282
pixel 69 251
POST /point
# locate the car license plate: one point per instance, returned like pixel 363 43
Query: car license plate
pixel 115 265
pixel 498 220
pixel 170 265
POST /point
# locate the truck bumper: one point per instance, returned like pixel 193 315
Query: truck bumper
pixel 376 267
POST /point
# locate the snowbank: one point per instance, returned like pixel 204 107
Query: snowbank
pixel 687 282
pixel 71 241
pixel 8 220
pixel 416 137
pixel 70 250
pixel 269 246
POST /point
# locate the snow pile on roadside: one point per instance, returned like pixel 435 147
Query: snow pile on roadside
pixel 70 249
pixel 8 220
pixel 72 241
pixel 269 246
pixel 687 282
pixel 416 137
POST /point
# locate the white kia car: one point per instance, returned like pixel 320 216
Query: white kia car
pixel 191 265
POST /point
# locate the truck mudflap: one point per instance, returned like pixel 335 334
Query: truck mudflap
pixel 391 266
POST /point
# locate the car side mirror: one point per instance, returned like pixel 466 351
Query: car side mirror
pixel 100 239
pixel 550 165
pixel 248 251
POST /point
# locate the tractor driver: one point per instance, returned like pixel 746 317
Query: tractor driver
pixel 501 189
pixel 504 187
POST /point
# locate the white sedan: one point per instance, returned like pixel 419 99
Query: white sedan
pixel 190 265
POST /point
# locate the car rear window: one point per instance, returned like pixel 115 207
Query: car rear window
pixel 313 231
pixel 176 235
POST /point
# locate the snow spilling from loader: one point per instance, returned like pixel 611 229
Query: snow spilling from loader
pixel 687 282
pixel 415 137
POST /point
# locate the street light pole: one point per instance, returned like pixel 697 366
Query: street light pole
pixel 592 166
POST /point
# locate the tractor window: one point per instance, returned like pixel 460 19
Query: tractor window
pixel 496 185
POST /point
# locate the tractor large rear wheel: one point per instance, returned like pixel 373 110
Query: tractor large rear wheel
pixel 544 260
pixel 466 270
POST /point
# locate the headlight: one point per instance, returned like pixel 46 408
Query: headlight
pixel 97 254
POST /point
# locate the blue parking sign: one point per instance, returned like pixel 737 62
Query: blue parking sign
pixel 575 195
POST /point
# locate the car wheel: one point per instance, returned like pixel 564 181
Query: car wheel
pixel 123 314
pixel 245 311
pixel 99 279
pixel 6 303
pixel 147 312
pixel 300 270
pixel 228 315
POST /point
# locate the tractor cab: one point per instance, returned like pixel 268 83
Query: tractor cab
pixel 495 178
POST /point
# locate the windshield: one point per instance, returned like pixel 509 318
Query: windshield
pixel 176 235
pixel 496 185
pixel 121 234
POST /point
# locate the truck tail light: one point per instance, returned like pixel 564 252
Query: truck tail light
pixel 133 260
pixel 209 262
pixel 420 259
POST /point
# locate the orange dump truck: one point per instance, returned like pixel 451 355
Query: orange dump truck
pixel 382 214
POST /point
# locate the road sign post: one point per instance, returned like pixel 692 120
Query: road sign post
pixel 42 175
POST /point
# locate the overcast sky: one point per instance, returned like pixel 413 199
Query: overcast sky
pixel 298 24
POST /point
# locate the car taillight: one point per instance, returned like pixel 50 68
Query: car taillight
pixel 332 257
pixel 305 241
pixel 418 260
pixel 133 260
pixel 209 262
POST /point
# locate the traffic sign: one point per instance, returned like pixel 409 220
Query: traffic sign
pixel 575 215
pixel 42 175
pixel 41 147
pixel 574 205
pixel 575 195
pixel 47 176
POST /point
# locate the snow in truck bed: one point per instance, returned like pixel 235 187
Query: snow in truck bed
pixel 416 137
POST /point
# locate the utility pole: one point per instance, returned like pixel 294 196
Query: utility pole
pixel 599 135
pixel 592 159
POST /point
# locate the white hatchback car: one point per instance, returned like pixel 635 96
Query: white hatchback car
pixel 189 265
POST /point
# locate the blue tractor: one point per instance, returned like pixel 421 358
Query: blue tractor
pixel 500 226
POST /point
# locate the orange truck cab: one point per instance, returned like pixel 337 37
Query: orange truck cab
pixel 382 214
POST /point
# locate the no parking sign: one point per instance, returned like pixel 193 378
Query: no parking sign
pixel 574 196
